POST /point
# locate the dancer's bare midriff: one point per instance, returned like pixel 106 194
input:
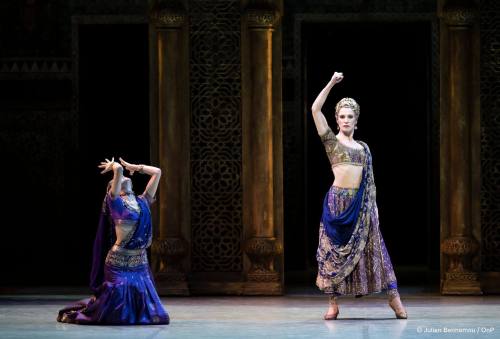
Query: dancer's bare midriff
pixel 347 176
pixel 123 229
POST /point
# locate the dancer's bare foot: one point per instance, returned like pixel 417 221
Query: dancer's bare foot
pixel 398 308
pixel 332 313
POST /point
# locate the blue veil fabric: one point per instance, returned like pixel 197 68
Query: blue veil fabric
pixel 143 233
pixel 104 240
pixel 339 228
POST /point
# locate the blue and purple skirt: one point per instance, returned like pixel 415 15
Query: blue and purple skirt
pixel 373 272
pixel 126 297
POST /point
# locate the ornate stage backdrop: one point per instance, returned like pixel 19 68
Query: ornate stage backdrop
pixel 216 136
pixel 490 142
pixel 216 130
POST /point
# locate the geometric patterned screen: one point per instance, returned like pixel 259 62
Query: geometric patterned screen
pixel 216 140
pixel 490 135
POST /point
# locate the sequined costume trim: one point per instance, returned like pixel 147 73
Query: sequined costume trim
pixel 121 257
pixel 340 154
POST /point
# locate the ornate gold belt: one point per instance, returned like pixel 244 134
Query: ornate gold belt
pixel 122 257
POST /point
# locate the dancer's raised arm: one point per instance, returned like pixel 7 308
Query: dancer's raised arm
pixel 153 182
pixel 117 169
pixel 319 118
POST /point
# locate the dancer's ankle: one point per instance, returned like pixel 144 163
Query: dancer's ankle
pixel 332 300
pixel 392 294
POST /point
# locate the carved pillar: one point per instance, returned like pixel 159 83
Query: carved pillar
pixel 459 245
pixel 172 106
pixel 261 245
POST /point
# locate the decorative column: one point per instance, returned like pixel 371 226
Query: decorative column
pixel 172 105
pixel 261 245
pixel 459 246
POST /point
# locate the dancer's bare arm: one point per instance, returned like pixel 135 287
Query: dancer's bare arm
pixel 117 169
pixel 154 172
pixel 318 116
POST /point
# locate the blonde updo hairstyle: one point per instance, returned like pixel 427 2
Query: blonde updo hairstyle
pixel 347 103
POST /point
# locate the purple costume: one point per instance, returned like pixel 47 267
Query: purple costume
pixel 124 290
pixel 352 256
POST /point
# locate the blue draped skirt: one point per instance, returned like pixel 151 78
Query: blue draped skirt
pixel 127 297
pixel 373 272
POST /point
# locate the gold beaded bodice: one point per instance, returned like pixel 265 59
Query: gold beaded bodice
pixel 339 154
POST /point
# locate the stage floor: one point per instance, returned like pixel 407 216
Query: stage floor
pixel 296 315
